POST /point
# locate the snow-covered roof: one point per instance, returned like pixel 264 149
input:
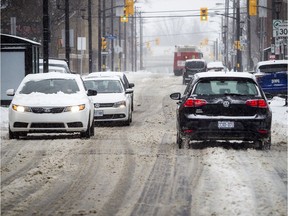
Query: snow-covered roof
pixel 224 74
pixel 215 64
pixel 271 62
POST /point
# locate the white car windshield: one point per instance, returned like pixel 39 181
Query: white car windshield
pixel 50 86
pixel 104 86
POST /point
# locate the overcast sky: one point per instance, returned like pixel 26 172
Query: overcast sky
pixel 190 8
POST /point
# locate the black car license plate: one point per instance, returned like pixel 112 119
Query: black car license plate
pixel 225 124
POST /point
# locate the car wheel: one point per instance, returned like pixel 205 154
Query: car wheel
pixel 86 134
pixel 183 82
pixel 265 144
pixel 179 140
pixel 92 132
pixel 13 135
pixel 129 120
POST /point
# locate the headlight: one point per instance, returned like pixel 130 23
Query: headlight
pixel 120 104
pixel 76 108
pixel 20 108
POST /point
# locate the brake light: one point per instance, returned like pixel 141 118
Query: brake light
pixel 194 102
pixel 257 103
pixel 263 131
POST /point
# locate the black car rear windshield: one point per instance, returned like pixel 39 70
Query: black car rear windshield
pixel 195 65
pixel 273 68
pixel 226 87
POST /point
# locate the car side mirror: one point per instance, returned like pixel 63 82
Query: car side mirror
pixel 129 91
pixel 131 85
pixel 175 96
pixel 10 92
pixel 91 92
pixel 268 96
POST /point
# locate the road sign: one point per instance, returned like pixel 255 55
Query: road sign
pixel 111 37
pixel 283 29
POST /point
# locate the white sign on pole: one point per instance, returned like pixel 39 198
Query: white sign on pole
pixel 276 24
pixel 262 8
pixel 81 43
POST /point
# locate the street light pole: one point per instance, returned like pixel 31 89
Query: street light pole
pixel 239 54
pixel 67 33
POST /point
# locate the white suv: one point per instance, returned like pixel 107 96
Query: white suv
pixel 55 65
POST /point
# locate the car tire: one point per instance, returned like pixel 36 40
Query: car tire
pixel 86 134
pixel 129 120
pixel 13 135
pixel 92 132
pixel 265 144
pixel 179 140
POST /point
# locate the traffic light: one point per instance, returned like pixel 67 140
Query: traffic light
pixel 103 43
pixel 237 45
pixel 203 14
pixel 129 7
pixel 124 18
pixel 253 7
pixel 157 41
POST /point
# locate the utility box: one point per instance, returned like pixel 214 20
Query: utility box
pixel 19 57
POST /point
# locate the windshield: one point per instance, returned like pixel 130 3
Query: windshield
pixel 273 68
pixel 219 86
pixel 195 65
pixel 50 86
pixel 104 86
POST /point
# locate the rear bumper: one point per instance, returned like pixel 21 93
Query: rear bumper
pixel 244 129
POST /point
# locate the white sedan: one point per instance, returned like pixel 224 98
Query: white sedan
pixel 113 102
pixel 51 103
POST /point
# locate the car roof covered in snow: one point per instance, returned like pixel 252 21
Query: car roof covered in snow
pixel 224 74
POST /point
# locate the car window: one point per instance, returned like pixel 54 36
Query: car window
pixel 104 86
pixel 222 87
pixel 50 86
pixel 273 68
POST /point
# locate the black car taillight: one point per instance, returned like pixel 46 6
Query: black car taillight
pixel 194 102
pixel 260 103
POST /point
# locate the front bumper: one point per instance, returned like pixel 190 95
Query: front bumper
pixel 56 122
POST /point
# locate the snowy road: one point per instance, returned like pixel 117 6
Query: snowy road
pixel 138 170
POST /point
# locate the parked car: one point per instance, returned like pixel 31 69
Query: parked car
pixel 122 76
pixel 216 66
pixel 55 65
pixel 51 103
pixel 113 102
pixel 272 77
pixel 193 66
pixel 223 106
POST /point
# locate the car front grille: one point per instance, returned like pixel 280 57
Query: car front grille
pixel 41 110
pixel 47 125
pixel 99 105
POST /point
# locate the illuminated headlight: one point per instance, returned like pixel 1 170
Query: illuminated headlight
pixel 120 104
pixel 20 108
pixel 76 108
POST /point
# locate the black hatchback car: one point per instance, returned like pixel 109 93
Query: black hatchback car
pixel 223 107
pixel 193 66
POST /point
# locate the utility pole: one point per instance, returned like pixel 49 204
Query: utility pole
pixel 46 35
pixel 249 60
pixel 239 54
pixel 67 32
pixel 132 43
pixel 141 41
pixel 99 36
pixel 90 36
pixel 112 33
